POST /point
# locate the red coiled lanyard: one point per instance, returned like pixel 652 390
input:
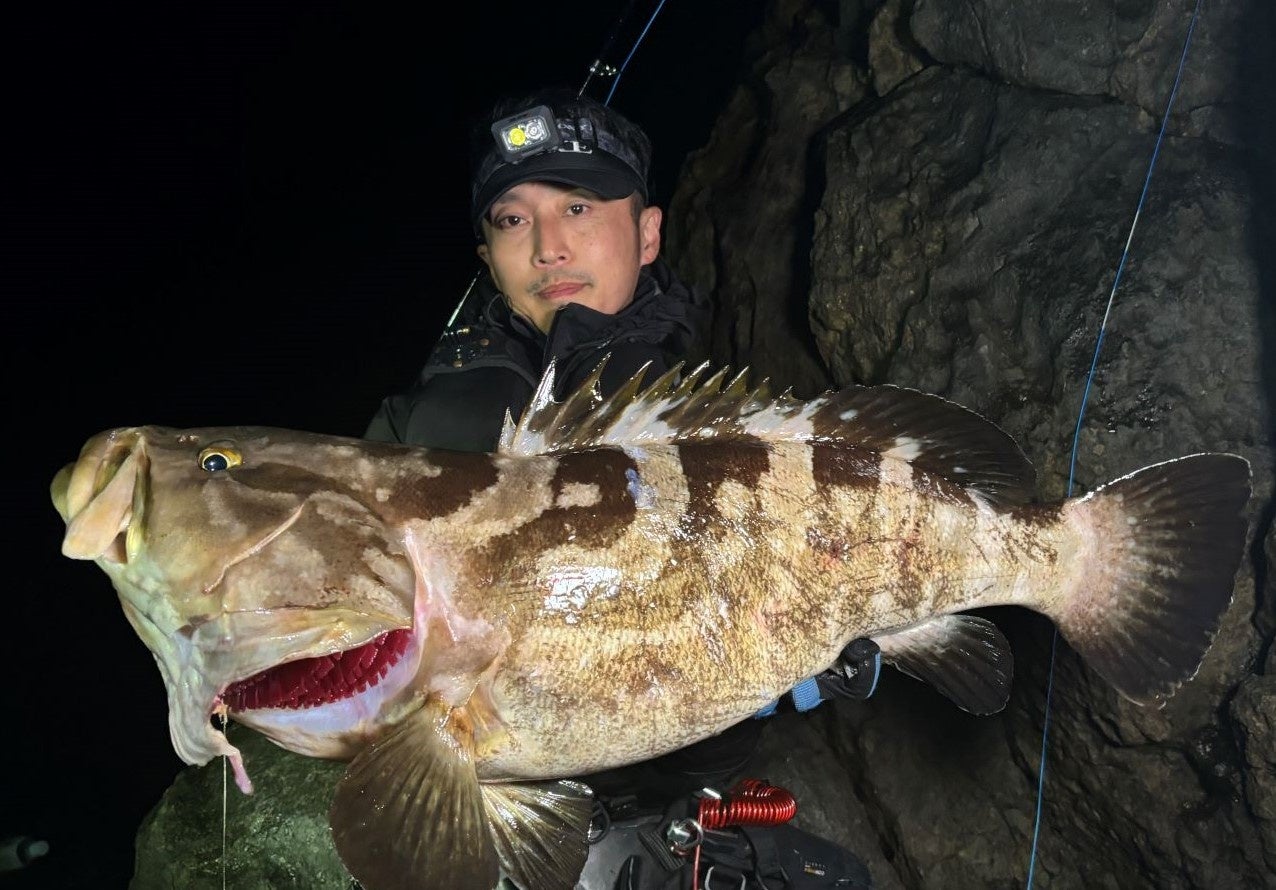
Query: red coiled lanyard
pixel 751 802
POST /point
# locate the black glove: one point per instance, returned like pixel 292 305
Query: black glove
pixel 854 674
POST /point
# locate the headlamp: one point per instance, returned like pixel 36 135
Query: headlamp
pixel 526 134
pixel 578 144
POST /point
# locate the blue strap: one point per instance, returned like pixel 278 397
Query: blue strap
pixel 806 695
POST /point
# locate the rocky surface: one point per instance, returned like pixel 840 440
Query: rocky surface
pixel 970 214
pixel 749 195
pixel 275 838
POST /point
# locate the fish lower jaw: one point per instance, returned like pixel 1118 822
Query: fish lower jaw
pixel 323 680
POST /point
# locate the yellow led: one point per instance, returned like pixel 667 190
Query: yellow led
pixel 525 134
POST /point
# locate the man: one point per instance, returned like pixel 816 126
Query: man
pixel 573 275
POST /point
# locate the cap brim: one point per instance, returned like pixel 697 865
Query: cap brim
pixel 603 174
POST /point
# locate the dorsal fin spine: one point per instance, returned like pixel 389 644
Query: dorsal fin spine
pixel 937 436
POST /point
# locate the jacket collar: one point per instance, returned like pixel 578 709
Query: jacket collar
pixel 663 308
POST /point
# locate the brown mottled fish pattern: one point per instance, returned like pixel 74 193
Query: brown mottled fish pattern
pixel 624 577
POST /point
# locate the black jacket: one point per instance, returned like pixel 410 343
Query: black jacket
pixel 480 370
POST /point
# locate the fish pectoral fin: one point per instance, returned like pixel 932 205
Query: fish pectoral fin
pixel 541 831
pixel 966 658
pixel 408 813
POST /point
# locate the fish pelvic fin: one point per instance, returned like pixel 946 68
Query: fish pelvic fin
pixel 1166 543
pixel 540 830
pixel 964 657
pixel 409 812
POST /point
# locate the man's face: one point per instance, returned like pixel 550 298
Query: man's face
pixel 549 245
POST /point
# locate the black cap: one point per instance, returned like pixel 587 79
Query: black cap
pixel 593 147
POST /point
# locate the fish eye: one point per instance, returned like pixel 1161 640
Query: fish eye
pixel 219 456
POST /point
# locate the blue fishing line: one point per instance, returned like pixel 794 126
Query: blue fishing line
pixel 615 82
pixel 1076 436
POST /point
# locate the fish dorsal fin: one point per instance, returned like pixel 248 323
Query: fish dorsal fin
pixel 966 658
pixel 932 433
pixel 541 830
pixel 408 813
pixel 672 408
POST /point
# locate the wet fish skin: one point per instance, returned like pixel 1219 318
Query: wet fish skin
pixel 647 569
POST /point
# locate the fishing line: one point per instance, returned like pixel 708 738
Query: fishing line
pixel 1076 436
pixel 623 65
pixel 225 757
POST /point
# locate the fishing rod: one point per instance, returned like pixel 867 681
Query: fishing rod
pixel 598 68
pixel 1076 436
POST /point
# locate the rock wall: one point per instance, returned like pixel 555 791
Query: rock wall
pixel 944 188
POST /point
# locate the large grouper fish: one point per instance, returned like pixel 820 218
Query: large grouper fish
pixel 625 576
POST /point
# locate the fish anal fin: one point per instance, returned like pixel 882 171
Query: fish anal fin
pixel 540 830
pixel 408 813
pixel 964 657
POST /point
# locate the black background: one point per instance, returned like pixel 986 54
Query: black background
pixel 240 216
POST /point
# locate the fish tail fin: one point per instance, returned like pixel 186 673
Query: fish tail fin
pixel 1167 541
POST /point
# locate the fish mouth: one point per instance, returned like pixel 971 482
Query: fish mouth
pixel 319 680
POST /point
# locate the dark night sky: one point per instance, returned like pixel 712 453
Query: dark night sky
pixel 246 216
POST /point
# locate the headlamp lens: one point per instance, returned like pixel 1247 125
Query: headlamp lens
pixel 526 134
